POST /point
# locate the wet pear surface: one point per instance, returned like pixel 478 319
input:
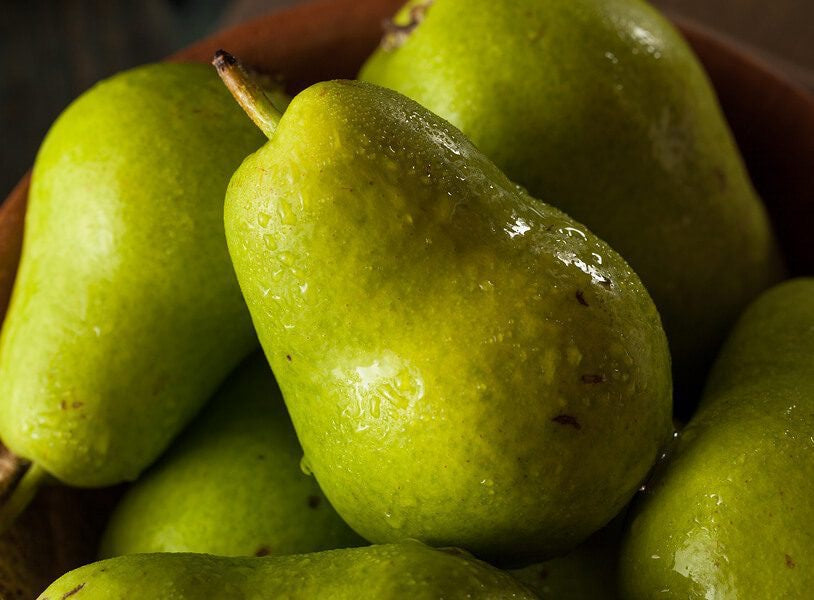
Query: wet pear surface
pixel 232 485
pixel 600 108
pixel 405 570
pixel 731 515
pixel 126 314
pixel 462 363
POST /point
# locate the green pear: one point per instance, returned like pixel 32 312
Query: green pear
pixel 600 108
pixel 126 314
pixel 589 572
pixel 463 364
pixel 730 514
pixel 232 485
pixel 405 570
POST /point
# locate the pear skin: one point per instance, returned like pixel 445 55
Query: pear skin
pixel 730 513
pixel 589 572
pixel 600 108
pixel 231 485
pixel 126 314
pixel 405 570
pixel 463 364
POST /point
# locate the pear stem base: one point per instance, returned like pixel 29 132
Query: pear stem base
pixel 19 482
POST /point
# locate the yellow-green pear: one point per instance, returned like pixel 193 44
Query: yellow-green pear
pixel 231 485
pixel 126 314
pixel 463 364
pixel 390 572
pixel 730 514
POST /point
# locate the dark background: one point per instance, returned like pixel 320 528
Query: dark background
pixel 54 49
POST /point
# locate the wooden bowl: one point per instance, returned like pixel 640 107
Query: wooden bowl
pixel 772 119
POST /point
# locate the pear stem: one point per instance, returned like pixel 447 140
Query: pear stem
pixel 21 495
pixel 248 92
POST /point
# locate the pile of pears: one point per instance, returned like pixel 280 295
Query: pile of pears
pixel 419 335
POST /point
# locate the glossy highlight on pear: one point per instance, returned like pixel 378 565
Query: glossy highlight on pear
pixel 730 513
pixel 600 108
pixel 420 311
